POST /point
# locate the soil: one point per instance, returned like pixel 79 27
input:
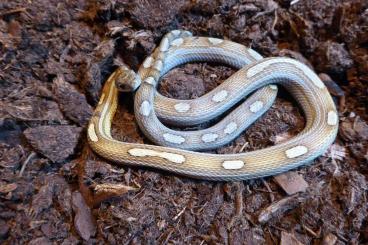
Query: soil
pixel 54 59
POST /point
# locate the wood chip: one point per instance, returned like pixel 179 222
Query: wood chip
pixel 55 142
pixel 6 188
pixel 289 239
pixel 291 182
pixel 329 239
pixel 278 208
pixel 116 189
pixel 83 221
pixel 71 101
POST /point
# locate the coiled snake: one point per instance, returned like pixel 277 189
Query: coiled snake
pixel 255 74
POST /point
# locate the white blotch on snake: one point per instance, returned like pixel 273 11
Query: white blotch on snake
pixel 182 107
pixel 161 56
pixel 234 164
pixel 256 106
pixel 332 118
pixel 145 108
pixel 172 138
pixel 230 128
pixel 158 65
pixel 164 45
pixel 177 42
pixel 296 151
pixel 215 41
pixel 150 80
pixel 172 157
pixel 273 87
pixel 92 133
pixel 209 137
pixel 175 32
pixel 148 62
pixel 220 96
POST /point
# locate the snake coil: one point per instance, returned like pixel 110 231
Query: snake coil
pixel 174 151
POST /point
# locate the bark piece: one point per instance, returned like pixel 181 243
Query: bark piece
pixel 55 142
pixel 291 182
pixel 182 86
pixel 329 239
pixel 289 239
pixel 354 130
pixel 40 241
pixel 72 103
pixel 332 57
pixel 91 81
pixel 278 208
pixel 6 188
pixel 54 189
pixel 83 220
pixel 32 109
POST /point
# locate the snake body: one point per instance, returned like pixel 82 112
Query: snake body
pixel 255 74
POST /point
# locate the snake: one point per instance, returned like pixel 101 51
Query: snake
pixel 251 90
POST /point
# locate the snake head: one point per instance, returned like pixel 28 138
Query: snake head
pixel 127 80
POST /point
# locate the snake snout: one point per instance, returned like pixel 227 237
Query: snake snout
pixel 127 81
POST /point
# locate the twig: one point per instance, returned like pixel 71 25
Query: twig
pixel 310 231
pixel 107 191
pixel 168 237
pixel 239 199
pixel 239 208
pixel 29 158
pixel 294 2
pixel 272 197
pixel 274 21
pixel 278 207
pixel 243 147
pixel 13 11
pixel 64 53
pixel 342 238
pixel 179 214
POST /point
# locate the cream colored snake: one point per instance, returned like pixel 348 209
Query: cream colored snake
pixel 255 75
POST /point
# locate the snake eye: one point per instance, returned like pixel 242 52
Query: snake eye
pixel 124 87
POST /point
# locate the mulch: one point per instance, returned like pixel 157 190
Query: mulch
pixel 54 59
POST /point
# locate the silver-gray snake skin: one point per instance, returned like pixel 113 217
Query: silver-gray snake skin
pixel 175 150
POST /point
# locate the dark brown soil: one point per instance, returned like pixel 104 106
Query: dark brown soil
pixel 54 59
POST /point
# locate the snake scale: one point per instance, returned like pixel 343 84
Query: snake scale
pixel 176 150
